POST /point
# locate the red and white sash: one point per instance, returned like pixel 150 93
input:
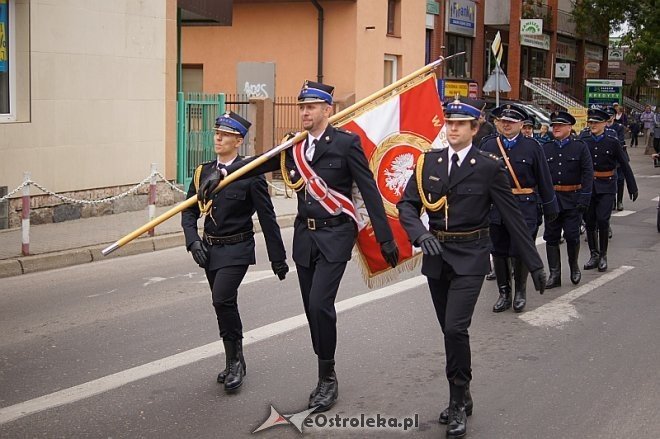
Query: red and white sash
pixel 331 200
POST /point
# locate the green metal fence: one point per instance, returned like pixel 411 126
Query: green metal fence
pixel 196 114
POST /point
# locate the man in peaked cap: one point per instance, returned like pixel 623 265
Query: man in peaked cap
pixel 572 174
pixel 227 247
pixel 323 238
pixel 620 129
pixel 458 186
pixel 606 153
pixel 528 126
pixel 531 183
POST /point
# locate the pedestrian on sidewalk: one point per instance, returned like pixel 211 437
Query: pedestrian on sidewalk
pixel 323 239
pixel 531 184
pixel 606 153
pixel 456 186
pixel 227 247
pixel 572 174
pixel 635 126
pixel 656 129
pixel 648 121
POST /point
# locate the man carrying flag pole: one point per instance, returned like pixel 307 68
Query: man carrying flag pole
pixel 322 169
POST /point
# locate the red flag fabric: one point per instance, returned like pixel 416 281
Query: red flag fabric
pixel 394 133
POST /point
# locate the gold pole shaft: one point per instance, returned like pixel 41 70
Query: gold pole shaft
pixel 271 153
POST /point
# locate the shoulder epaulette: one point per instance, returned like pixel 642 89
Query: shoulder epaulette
pixel 489 155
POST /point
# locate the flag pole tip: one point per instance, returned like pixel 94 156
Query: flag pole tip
pixel 106 251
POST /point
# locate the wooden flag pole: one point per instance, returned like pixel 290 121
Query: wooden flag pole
pixel 271 153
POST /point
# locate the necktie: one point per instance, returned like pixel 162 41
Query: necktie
pixel 309 151
pixel 219 166
pixel 454 166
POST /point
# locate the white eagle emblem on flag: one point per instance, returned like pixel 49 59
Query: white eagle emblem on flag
pixel 400 171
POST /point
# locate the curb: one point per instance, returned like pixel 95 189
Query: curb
pixel 76 256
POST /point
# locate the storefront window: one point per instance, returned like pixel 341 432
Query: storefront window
pixel 460 66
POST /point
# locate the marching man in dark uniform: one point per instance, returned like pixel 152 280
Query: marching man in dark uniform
pixel 227 247
pixel 456 186
pixel 620 129
pixel 606 153
pixel 529 179
pixel 572 173
pixel 330 161
pixel 528 126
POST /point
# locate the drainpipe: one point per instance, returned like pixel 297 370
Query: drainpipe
pixel 319 54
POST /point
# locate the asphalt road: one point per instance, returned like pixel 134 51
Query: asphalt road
pixel 129 348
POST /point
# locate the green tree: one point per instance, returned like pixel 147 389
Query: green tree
pixel 640 20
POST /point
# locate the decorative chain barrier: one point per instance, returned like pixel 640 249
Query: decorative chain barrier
pixel 169 183
pixel 6 197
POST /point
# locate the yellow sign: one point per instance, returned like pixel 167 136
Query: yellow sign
pixel 580 115
pixel 4 55
pixel 453 88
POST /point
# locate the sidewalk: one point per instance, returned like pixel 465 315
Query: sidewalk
pixel 58 245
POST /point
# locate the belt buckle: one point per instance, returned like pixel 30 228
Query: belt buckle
pixel 311 223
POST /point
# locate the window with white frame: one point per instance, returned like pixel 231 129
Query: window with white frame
pixel 7 63
pixel 391 69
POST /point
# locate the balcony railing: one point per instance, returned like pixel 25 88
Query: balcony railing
pixel 566 23
pixel 536 9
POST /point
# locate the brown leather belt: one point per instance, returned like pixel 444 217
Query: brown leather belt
pixel 460 236
pixel 228 239
pixel 522 191
pixel 567 187
pixel 603 174
pixel 320 223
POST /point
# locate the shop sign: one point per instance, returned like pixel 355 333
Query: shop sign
pixel 531 26
pixel 593 53
pixel 615 54
pixel 539 41
pixel 613 65
pixel 432 7
pixel 566 51
pixel 461 17
pixel 562 70
pixel 592 67
pixel 602 92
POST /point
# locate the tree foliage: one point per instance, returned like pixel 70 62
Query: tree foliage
pixel 640 21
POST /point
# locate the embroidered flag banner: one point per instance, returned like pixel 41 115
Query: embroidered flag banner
pixel 394 131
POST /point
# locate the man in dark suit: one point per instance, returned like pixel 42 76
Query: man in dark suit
pixel 572 173
pixel 227 247
pixel 531 184
pixel 329 161
pixel 606 154
pixel 456 186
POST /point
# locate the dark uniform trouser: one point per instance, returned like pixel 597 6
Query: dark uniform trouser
pixel 501 240
pixel 224 284
pixel 568 220
pixel 318 285
pixel 599 212
pixel 454 298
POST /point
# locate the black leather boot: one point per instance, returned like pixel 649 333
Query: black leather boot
pixel 327 389
pixel 619 197
pixel 457 426
pixel 223 374
pixel 604 241
pixel 554 265
pixel 444 416
pixel 520 273
pixel 503 275
pixel 592 240
pixel 573 251
pixel 236 372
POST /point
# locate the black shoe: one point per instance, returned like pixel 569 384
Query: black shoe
pixel 520 273
pixel 592 240
pixel 609 232
pixel 457 426
pixel 602 262
pixel 503 275
pixel 554 265
pixel 236 373
pixel 619 206
pixel 491 275
pixel 327 390
pixel 573 251
pixel 469 405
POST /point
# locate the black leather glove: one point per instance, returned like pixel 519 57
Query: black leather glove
pixel 538 277
pixel 200 253
pixel 550 217
pixel 581 208
pixel 205 191
pixel 429 244
pixel 390 252
pixel 280 268
pixel 634 195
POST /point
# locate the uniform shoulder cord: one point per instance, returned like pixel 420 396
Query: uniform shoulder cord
pixel 204 209
pixel 285 175
pixel 432 207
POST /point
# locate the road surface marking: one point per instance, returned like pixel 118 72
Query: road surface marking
pixel 561 310
pixel 109 382
pixel 102 294
pixel 624 213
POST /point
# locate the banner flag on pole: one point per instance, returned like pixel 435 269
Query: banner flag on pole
pixel 394 131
